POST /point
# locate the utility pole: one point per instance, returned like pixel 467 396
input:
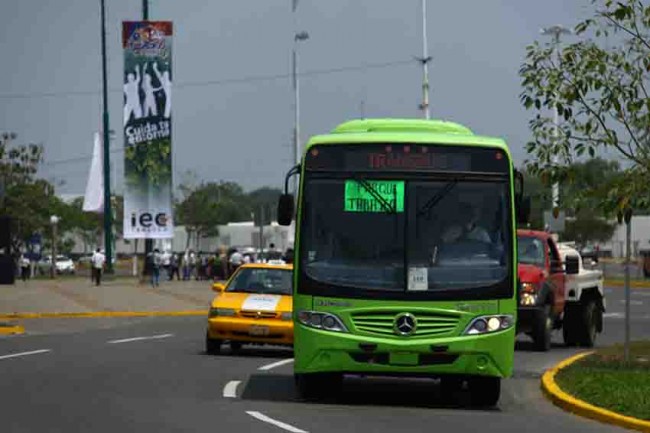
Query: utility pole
pixel 628 237
pixel 425 59
pixel 298 37
pixel 556 31
pixel 108 212
pixel 148 243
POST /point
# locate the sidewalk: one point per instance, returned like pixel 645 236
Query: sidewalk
pixel 79 295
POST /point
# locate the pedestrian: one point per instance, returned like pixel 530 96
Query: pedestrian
pixel 174 267
pixel 288 256
pixel 97 263
pixel 24 267
pixel 186 265
pixel 236 260
pixel 156 262
pixel 192 270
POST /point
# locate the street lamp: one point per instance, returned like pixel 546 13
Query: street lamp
pixel 54 221
pixel 298 37
pixel 556 31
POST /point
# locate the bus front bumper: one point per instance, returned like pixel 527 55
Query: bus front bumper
pixel 317 351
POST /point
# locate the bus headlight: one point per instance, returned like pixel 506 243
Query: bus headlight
pixel 221 312
pixel 319 320
pixel 488 324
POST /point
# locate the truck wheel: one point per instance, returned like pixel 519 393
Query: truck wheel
pixel 484 391
pixel 212 346
pixel 588 322
pixel 569 327
pixel 313 386
pixel 542 330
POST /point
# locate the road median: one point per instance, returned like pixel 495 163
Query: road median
pixel 635 284
pixel 96 314
pixel 593 383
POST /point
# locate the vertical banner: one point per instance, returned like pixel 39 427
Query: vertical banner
pixel 147 129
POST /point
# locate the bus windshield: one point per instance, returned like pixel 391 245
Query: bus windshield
pixel 411 236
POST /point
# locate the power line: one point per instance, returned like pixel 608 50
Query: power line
pixel 249 79
pixel 79 158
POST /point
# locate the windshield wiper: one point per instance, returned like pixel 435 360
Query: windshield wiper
pixel 433 201
pixel 385 205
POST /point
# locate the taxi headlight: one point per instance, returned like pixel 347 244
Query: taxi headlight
pixel 320 320
pixel 489 324
pixel 287 316
pixel 222 312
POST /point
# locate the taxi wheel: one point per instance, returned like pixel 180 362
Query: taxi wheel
pixel 212 346
pixel 235 346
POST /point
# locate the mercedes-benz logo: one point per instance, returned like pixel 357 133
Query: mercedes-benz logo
pixel 405 324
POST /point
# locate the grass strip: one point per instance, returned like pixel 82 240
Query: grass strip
pixel 605 380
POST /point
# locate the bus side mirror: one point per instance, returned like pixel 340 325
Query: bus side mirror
pixel 523 209
pixel 572 265
pixel 285 209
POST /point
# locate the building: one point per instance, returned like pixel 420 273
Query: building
pixel 640 238
pixel 239 234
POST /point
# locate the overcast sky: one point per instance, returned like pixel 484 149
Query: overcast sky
pixel 225 129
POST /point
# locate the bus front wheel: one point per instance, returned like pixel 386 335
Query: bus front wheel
pixel 312 386
pixel 484 390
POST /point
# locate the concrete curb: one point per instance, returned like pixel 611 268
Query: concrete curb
pixel 96 314
pixel 582 408
pixel 11 329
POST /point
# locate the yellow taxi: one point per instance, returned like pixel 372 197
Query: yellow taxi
pixel 254 306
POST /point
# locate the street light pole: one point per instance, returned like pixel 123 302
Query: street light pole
pixel 108 212
pixel 628 237
pixel 54 220
pixel 425 59
pixel 556 31
pixel 298 37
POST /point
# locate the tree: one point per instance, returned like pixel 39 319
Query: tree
pixel 586 228
pixel 264 200
pixel 25 199
pixel 208 205
pixel 599 86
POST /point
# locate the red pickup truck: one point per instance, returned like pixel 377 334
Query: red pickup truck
pixel 555 292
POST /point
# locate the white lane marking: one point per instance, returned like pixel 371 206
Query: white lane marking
pixel 275 364
pixel 632 302
pixel 151 337
pixel 230 390
pixel 613 315
pixel 276 423
pixel 16 355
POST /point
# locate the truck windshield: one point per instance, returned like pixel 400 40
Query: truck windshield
pixel 405 236
pixel 530 251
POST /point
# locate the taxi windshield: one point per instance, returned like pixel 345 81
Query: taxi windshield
pixel 268 281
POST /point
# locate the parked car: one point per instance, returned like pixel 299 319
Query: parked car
pixel 63 265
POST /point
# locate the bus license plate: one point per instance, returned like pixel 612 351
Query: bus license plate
pixel 403 358
pixel 258 331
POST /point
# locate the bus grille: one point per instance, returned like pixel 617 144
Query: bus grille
pixel 428 324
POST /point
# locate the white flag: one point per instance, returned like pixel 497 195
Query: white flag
pixel 94 198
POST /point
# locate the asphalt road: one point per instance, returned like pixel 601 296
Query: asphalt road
pixel 152 375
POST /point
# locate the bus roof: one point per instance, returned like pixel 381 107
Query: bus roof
pixel 405 131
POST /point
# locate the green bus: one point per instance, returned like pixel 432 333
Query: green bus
pixel 405 256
